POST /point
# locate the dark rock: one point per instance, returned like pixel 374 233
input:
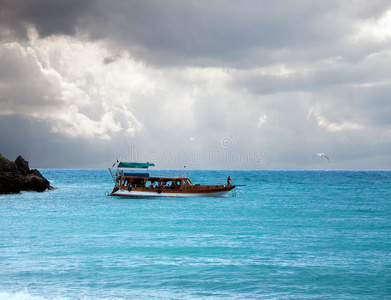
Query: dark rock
pixel 9 184
pixel 7 165
pixel 17 176
pixel 22 165
pixel 35 183
pixel 36 172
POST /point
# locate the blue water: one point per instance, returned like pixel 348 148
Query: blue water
pixel 286 235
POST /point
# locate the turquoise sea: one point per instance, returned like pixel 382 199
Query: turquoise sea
pixel 286 235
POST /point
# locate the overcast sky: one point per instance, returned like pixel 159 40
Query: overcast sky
pixel 252 84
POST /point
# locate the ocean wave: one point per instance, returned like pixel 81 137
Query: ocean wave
pixel 26 296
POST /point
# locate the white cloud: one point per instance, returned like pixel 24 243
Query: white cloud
pixel 262 120
pixel 333 126
pixel 87 96
pixel 378 30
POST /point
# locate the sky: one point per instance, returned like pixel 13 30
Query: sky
pixel 252 84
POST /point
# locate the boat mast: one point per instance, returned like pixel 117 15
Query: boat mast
pixel 112 175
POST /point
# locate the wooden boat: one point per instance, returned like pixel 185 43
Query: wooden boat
pixel 138 183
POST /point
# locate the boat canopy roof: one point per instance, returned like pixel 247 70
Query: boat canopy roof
pixel 135 165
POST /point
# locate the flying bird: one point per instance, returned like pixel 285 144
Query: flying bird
pixel 322 154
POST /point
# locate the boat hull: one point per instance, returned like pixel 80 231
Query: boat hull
pixel 134 193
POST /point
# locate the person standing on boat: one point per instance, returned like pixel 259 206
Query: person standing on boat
pixel 229 180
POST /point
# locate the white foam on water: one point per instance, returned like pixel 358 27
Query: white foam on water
pixel 25 296
pixel 135 294
pixel 17 296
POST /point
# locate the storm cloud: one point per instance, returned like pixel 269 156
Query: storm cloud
pixel 222 84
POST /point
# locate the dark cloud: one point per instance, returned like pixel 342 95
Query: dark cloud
pixel 176 32
pixel 32 138
pixel 48 17
pixel 234 33
pixel 221 31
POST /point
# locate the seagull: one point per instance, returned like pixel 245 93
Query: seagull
pixel 322 154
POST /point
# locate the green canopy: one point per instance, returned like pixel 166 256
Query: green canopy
pixel 135 165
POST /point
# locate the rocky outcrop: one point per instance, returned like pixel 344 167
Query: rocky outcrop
pixel 17 176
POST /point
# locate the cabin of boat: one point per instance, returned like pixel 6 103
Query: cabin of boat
pixel 139 184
